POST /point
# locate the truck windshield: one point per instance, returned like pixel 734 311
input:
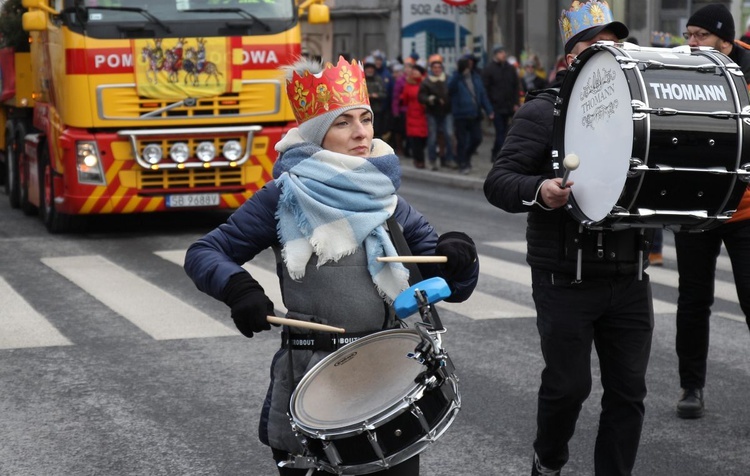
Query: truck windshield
pixel 122 18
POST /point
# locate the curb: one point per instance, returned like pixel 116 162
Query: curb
pixel 451 179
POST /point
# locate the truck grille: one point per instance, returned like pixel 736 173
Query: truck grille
pixel 256 98
pixel 191 178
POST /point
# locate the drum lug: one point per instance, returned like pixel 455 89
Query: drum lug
pixel 639 108
pixel 636 167
pixel 417 412
pixel 743 173
pixel 745 115
pixel 373 439
pixel 332 454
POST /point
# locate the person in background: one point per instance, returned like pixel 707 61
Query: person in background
pixel 398 110
pixel 382 70
pixel 745 38
pixel 416 117
pixel 433 94
pixel 607 305
pixel 560 65
pixel 531 79
pixel 468 102
pixel 323 215
pixel 378 94
pixel 712 25
pixel 503 88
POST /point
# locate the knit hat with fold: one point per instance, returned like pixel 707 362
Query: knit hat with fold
pixel 715 18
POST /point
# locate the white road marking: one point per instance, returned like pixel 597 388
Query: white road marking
pixel 267 279
pixel 21 326
pixel 156 312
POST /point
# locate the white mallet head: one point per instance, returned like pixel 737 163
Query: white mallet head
pixel 571 161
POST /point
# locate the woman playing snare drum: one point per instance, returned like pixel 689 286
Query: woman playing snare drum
pixel 334 187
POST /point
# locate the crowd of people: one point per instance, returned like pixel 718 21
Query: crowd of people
pixel 433 112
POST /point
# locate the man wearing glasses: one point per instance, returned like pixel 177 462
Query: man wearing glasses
pixel 712 26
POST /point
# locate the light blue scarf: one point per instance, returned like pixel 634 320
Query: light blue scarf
pixel 333 203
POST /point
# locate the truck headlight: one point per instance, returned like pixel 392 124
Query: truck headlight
pixel 179 152
pixel 152 154
pixel 206 151
pixel 232 150
pixel 89 164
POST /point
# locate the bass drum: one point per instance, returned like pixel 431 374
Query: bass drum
pixel 661 135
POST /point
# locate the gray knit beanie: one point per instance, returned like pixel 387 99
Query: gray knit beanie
pixel 314 130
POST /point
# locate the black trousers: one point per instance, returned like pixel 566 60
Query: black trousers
pixel 696 264
pixel 410 467
pixel 616 315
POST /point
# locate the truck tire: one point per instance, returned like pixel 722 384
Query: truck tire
pixel 12 178
pixel 54 221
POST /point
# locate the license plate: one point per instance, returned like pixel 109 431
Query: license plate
pixel 193 200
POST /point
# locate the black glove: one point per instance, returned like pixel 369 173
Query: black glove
pixel 249 304
pixel 459 249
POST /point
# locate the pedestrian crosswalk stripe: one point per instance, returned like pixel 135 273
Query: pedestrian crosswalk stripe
pixel 267 279
pixel 22 326
pixel 156 312
pixel 486 306
pixel 669 252
pixel 522 273
pixel 725 290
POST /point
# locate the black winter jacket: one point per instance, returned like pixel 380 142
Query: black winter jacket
pixel 433 93
pixel 501 81
pixel 512 184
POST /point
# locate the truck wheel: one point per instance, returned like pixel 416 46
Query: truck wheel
pixel 12 179
pixel 54 221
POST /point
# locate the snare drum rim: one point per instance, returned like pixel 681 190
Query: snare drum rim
pixel 417 447
pixel 413 393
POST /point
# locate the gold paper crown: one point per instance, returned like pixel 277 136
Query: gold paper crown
pixel 582 16
pixel 333 88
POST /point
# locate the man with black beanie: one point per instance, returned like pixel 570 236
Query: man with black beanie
pixel 712 26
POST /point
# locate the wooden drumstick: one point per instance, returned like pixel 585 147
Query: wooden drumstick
pixel 570 162
pixel 283 321
pixel 413 259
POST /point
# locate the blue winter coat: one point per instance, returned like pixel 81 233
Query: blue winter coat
pixel 463 104
pixel 213 259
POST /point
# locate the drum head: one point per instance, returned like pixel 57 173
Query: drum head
pixel 358 383
pixel 599 130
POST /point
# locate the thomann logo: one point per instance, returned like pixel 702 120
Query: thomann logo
pixel 689 92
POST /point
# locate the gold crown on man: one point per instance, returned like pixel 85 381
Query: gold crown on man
pixel 582 16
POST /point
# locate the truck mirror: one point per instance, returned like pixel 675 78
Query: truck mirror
pixel 34 20
pixel 318 14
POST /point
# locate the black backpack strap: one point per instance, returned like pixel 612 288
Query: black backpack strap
pixel 397 236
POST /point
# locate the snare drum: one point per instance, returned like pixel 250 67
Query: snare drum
pixel 370 406
pixel 661 134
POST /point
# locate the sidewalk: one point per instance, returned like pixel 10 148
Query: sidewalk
pixel 474 180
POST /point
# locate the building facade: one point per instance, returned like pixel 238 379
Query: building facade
pixel 524 27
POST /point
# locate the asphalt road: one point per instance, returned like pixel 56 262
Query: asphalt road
pixel 112 363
